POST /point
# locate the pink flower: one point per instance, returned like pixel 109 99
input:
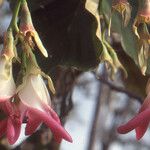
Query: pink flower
pixel 140 122
pixel 11 124
pixel 11 120
pixel 36 100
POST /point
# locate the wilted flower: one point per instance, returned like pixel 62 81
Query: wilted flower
pixel 124 8
pixel 28 31
pixel 141 30
pixel 142 20
pixel 36 100
pixel 11 121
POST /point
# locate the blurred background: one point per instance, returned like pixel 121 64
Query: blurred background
pixel 89 104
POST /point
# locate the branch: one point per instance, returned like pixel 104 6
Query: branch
pixel 117 88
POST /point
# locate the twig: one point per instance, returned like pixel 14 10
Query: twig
pixel 117 88
pixel 95 120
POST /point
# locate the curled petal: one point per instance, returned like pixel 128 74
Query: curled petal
pixel 137 121
pixel 40 44
pixel 55 127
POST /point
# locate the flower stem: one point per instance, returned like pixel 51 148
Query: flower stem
pixel 13 23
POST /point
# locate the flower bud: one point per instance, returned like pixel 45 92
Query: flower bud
pixel 28 31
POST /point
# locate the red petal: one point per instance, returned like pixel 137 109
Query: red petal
pixel 3 126
pixel 10 131
pixel 32 124
pixel 55 127
pixel 54 115
pixel 140 131
pixel 17 128
pixel 137 121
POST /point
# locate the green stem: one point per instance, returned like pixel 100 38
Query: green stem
pixel 13 23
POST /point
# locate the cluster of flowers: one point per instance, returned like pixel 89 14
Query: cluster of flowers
pixel 28 100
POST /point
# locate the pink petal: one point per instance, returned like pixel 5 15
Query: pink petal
pixel 3 126
pixel 17 129
pixel 10 131
pixel 135 122
pixel 58 139
pixel 7 108
pixel 140 131
pixel 32 124
pixel 55 127
pixel 54 115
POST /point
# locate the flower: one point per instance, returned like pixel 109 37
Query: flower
pixel 140 122
pixel 28 31
pixel 11 118
pixel 36 100
pixel 11 122
pixel 8 87
pixel 142 21
pixel 124 8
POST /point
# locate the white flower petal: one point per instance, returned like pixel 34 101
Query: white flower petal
pixel 7 85
pixel 35 93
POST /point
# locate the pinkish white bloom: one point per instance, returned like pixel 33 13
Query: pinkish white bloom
pixel 36 100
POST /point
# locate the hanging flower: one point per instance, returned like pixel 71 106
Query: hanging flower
pixel 141 121
pixel 11 122
pixel 27 29
pixel 142 20
pixel 36 100
pixel 124 8
pixel 140 28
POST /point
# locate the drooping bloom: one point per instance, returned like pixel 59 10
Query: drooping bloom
pixel 124 8
pixel 140 122
pixel 36 100
pixel 11 122
pixel 28 31
pixel 141 30
pixel 142 20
